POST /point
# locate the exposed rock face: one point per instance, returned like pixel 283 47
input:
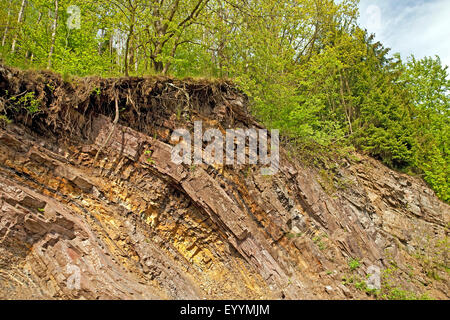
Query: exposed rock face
pixel 134 225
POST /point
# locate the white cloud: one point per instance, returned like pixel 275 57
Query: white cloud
pixel 419 27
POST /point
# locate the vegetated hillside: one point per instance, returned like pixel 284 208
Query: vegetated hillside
pixel 138 226
pixel 309 68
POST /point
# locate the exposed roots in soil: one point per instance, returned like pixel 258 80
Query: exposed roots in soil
pixel 66 108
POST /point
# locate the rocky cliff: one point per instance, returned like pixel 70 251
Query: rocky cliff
pixel 85 199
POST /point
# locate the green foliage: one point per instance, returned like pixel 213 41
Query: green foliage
pixel 399 294
pixel 4 120
pixel 149 159
pixel 354 264
pixel 427 82
pixel 97 91
pixel 389 289
pixel 318 240
pixel 327 181
pixel 433 257
pixel 290 235
pixel 26 101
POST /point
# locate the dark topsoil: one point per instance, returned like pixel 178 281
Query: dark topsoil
pixel 66 107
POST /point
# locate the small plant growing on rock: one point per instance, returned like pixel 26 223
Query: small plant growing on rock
pixel 149 159
pixel 318 241
pixel 354 264
pixel 97 91
pixel 290 236
pixel 26 101
pixel 4 121
pixel 50 86
pixel 31 104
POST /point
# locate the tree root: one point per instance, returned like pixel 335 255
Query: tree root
pixel 116 119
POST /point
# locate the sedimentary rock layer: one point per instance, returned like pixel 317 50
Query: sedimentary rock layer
pixel 134 225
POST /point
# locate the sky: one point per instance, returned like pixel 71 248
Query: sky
pixel 419 27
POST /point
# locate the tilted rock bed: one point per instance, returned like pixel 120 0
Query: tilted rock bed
pixel 140 229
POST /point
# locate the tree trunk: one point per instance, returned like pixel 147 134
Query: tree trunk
pixel 346 109
pixel 111 57
pixel 52 47
pixel 127 49
pixel 158 66
pixel 19 20
pixel 131 53
pixel 38 22
pixel 101 43
pixel 5 33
